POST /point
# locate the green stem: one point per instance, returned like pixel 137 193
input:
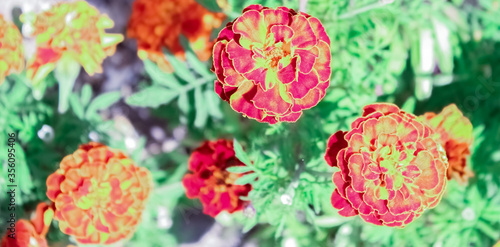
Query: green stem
pixel 66 72
pixel 366 8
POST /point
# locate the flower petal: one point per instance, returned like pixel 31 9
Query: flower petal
pixel 271 101
pixel 304 83
pixel 282 33
pixel 241 57
pixel 319 30
pixel 342 204
pixel 251 26
pixel 288 74
pixel 307 59
pixel 304 36
pixel 276 17
pixel 383 108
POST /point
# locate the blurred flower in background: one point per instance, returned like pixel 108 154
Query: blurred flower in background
pixel 455 132
pixel 272 63
pixel 391 167
pixel 11 50
pixel 99 194
pixel 210 181
pixel 159 23
pixel 74 31
pixel 31 233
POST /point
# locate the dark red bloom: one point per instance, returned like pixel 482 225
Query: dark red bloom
pixel 209 180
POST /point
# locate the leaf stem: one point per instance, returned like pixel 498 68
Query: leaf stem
pixel 378 4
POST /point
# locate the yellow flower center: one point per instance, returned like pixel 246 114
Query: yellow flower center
pixel 97 196
pixel 222 178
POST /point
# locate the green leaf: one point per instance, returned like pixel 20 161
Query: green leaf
pixel 23 176
pixel 76 106
pixel 213 104
pixel 201 109
pixel 281 227
pixel 246 179
pixel 179 67
pixel 153 96
pixel 198 66
pixel 409 105
pixel 86 94
pixel 329 221
pixel 183 103
pixel 210 5
pixel 240 154
pixel 488 230
pixel 250 224
pixel 239 169
pixel 102 101
pixel 159 76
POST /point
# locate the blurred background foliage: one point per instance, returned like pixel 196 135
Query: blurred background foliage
pixel 421 55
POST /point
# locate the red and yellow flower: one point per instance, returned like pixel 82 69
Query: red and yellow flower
pixel 209 180
pixel 99 194
pixel 271 64
pixel 159 23
pixel 392 167
pixel 72 29
pixel 31 233
pixel 11 49
pixel 455 132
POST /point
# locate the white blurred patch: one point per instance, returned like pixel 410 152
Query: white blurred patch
pixel 164 220
pixel 468 214
pixel 290 242
pixel 426 51
pixel 46 133
pixel 169 145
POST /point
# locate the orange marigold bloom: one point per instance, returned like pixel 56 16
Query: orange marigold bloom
pixel 456 137
pixel 11 49
pixel 73 29
pixel 392 167
pixel 158 23
pixel 99 194
pixel 210 181
pixel 31 233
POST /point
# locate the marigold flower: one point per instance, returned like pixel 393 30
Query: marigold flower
pixel 210 181
pixel 272 63
pixel 99 194
pixel 11 50
pixel 392 167
pixel 31 233
pixel 159 23
pixel 456 137
pixel 73 29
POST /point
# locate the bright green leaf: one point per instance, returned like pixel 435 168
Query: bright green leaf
pixel 153 96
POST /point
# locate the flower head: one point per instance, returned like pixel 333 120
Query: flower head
pixel 11 49
pixel 159 23
pixel 392 167
pixel 272 63
pixel 455 132
pixel 209 180
pixel 99 194
pixel 31 233
pixel 72 29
